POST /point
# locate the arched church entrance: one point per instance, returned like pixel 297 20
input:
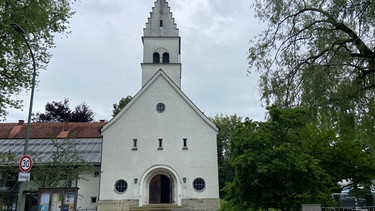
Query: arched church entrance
pixel 160 184
pixel 160 189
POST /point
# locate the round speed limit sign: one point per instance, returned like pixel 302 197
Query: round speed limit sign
pixel 25 163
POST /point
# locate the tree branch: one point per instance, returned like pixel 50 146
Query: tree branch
pixel 361 46
pixel 5 75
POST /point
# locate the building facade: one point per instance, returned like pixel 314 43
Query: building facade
pixel 47 139
pixel 160 149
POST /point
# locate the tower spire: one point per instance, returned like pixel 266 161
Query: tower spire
pixel 161 45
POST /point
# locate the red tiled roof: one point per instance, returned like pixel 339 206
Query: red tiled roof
pixel 41 130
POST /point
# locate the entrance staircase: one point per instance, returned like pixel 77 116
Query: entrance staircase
pixel 160 207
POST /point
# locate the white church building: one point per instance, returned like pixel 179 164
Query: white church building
pixel 158 153
pixel 160 149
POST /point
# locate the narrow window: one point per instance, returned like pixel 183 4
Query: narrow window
pixel 135 144
pixel 93 199
pixel 184 140
pixel 165 57
pixel 160 144
pixel 161 23
pixel 156 57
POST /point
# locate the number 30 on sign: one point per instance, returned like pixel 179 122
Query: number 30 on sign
pixel 25 163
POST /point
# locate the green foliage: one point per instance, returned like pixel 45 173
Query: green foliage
pixel 342 159
pixel 233 206
pixel 351 161
pixel 121 104
pixel 289 160
pixel 8 161
pixel 60 112
pixel 82 113
pixel 272 167
pixel 64 166
pixel 226 125
pixel 41 20
pixel 319 54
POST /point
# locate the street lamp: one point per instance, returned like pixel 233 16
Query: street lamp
pixel 18 29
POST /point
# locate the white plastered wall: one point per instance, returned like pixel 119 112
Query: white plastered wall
pixel 141 121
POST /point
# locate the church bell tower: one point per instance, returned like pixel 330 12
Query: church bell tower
pixel 161 45
pixel 169 145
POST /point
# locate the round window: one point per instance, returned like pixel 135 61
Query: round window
pixel 199 184
pixel 121 186
pixel 160 107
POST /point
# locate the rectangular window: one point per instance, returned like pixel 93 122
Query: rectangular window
pixel 93 199
pixel 135 144
pixel 161 23
pixel 184 141
pixel 160 144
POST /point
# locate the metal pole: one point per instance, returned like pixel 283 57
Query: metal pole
pixel 18 29
pixel 22 33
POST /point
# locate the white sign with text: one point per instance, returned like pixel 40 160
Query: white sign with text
pixel 23 177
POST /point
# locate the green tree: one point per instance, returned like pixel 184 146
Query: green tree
pixel 342 159
pixel 226 125
pixel 352 161
pixel 272 168
pixel 319 54
pixel 64 166
pixel 82 113
pixel 42 20
pixel 61 112
pixel 121 104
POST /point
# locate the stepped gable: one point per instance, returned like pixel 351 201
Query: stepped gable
pixel 161 21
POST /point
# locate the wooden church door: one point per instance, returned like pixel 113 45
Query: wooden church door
pixel 160 190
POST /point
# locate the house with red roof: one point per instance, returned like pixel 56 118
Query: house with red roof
pixel 87 140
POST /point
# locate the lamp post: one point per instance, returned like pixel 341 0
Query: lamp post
pixel 18 29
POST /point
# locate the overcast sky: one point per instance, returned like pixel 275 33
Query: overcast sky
pixel 99 62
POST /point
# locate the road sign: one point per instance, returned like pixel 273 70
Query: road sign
pixel 23 177
pixel 25 163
